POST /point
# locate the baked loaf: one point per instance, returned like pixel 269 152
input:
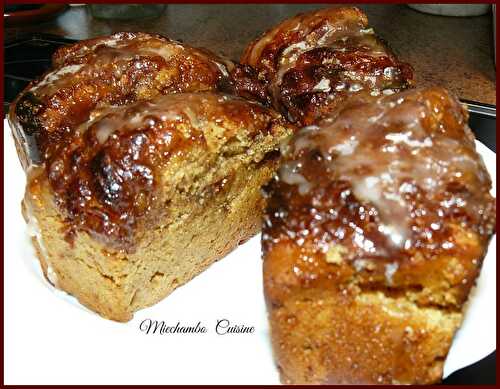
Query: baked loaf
pixel 117 70
pixel 141 172
pixel 374 234
pixel 315 61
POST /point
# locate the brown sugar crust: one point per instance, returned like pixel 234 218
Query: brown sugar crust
pixel 315 61
pixel 378 220
pixel 116 70
pixel 107 176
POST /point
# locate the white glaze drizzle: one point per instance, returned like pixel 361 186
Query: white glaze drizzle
pixel 385 152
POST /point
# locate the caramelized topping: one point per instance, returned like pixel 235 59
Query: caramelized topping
pixel 117 70
pixel 106 176
pixel 314 61
pixel 115 109
pixel 385 177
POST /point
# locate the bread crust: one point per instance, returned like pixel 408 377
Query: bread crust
pixel 315 61
pixel 112 71
pixel 366 283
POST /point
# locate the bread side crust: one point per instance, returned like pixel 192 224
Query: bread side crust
pixel 116 284
pixel 339 327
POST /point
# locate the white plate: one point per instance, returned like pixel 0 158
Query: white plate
pixel 51 339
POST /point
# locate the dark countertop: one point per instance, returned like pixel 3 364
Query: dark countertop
pixel 453 52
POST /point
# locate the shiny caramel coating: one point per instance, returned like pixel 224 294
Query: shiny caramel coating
pixel 116 70
pixel 314 61
pixel 107 178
